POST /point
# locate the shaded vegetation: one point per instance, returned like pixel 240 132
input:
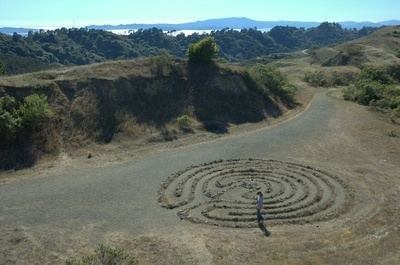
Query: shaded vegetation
pixel 185 123
pixel 15 117
pixel 44 49
pixel 21 124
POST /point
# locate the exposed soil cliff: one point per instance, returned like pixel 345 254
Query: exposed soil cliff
pixel 95 102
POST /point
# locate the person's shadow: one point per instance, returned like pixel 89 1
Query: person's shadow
pixel 264 229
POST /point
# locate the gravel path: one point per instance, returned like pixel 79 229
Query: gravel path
pixel 89 204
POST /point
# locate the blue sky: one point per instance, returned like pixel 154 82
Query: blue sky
pixel 47 13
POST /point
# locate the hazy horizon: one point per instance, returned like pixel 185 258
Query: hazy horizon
pixel 48 13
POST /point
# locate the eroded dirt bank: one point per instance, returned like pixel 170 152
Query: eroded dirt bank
pixel 147 99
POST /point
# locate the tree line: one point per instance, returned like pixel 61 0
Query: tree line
pixel 45 49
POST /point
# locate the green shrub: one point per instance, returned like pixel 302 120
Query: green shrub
pixel 274 81
pixel 15 117
pixel 105 256
pixel 368 92
pixel 342 78
pixel 330 79
pixel 24 136
pixel 184 120
pixel 185 123
pixel 10 122
pixel 33 109
pixel 377 86
pixel 204 50
pixel 269 76
pixel 378 74
pixel 394 72
pixel 316 79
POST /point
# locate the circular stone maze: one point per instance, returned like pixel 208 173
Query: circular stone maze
pixel 223 193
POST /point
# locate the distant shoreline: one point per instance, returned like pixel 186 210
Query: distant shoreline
pixel 208 26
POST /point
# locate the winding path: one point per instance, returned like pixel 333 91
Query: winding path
pixel 124 197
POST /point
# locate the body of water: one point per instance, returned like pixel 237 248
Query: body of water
pixel 186 32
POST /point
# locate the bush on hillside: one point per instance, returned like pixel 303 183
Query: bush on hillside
pixel 204 50
pixel 342 78
pixel 330 79
pixel 23 135
pixel 275 81
pixel 367 92
pixel 316 79
pixel 16 117
pixel 185 123
pixel 33 109
pixel 378 87
pixel 10 122
pixel 377 74
pixel 394 72
pixel 105 255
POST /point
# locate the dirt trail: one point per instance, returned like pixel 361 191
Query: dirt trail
pixel 331 176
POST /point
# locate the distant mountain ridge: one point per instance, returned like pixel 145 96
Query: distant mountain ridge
pixel 218 24
pixel 239 23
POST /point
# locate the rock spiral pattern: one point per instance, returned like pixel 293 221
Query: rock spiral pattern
pixel 223 193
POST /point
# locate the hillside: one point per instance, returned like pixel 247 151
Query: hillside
pixel 368 68
pixel 156 99
pixel 48 49
pixel 382 47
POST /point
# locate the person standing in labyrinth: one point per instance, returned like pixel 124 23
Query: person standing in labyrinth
pixel 260 206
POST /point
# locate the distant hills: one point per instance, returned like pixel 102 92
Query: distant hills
pixel 240 23
pixel 218 24
pixel 211 24
pixel 11 30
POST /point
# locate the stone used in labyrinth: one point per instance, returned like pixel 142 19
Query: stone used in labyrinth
pixel 223 193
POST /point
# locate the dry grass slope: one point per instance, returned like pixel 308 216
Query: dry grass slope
pixel 381 48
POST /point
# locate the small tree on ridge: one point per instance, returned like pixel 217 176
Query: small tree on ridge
pixel 203 51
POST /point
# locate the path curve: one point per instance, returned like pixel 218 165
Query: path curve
pixel 89 205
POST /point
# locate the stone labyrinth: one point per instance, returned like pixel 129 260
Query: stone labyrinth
pixel 223 193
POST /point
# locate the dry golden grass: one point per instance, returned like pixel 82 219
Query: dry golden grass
pixel 110 70
pixel 130 127
pixel 380 48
